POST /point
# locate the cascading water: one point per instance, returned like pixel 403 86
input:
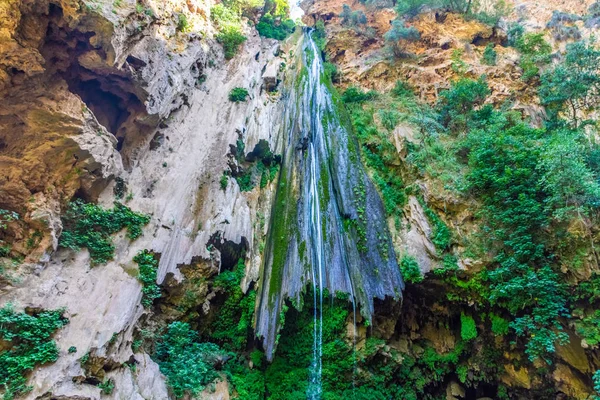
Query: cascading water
pixel 319 232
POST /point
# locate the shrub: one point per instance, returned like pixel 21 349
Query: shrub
pixel 468 330
pixel 188 365
pixel 27 342
pixel 457 103
pixel 356 95
pixel 238 94
pixel 182 23
pixel 224 181
pixel 409 267
pixel 535 52
pixel 72 350
pixel 231 39
pixel 147 275
pixel 489 55
pixel 402 89
pixel 399 32
pixel 269 27
pixel 500 326
pixel 572 86
pixel 107 386
pixel 89 225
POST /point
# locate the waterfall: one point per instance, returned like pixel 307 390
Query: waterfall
pixel 328 228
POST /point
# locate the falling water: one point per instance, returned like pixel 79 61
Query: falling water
pixel 319 235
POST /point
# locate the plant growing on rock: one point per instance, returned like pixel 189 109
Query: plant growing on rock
pixel 398 34
pixel 89 225
pixel 188 365
pixel 489 55
pixel 148 266
pixel 27 342
pixel 238 94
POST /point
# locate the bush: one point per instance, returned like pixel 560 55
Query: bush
pixel 409 267
pixel 489 55
pixel 27 342
pixel 182 23
pixel 402 89
pixel 269 27
pixel 89 225
pixel 457 103
pixel 238 94
pixel 356 95
pixel 188 365
pixel 399 32
pixel 147 275
pixel 500 326
pixel 231 39
pixel 535 52
pixel 224 181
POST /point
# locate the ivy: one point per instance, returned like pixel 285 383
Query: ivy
pixel 29 339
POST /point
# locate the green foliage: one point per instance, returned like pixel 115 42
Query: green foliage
pixel 188 365
pixel 6 217
pixel 231 39
pixel 505 173
pixel 148 266
pixel 72 350
pixel 238 94
pixel 182 23
pixel 89 225
pixel 319 36
pixel 233 326
pixel 355 95
pixel 571 87
pixel 119 188
pixel 489 55
pixel 535 52
pixel 596 381
pixel 270 27
pixel 224 181
pixel 398 33
pixel 352 18
pixel 27 340
pixel 500 326
pixel 441 236
pixel 107 386
pixel 411 272
pixel 468 329
pixel 458 103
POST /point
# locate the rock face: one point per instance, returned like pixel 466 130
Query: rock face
pixel 90 92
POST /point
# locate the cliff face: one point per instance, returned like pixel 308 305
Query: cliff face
pixel 92 91
pixel 132 101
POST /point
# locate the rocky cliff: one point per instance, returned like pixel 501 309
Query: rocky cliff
pixel 194 130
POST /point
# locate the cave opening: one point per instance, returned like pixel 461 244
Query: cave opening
pixel 108 92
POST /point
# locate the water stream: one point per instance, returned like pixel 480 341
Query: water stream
pixel 328 227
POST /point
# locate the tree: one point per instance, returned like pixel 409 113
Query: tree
pixel 572 87
pixel 457 103
pixel 345 14
pixel 400 32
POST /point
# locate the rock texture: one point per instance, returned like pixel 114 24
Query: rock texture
pixel 90 91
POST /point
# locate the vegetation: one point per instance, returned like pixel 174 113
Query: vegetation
pixel 535 52
pixel 148 266
pixel 489 55
pixel 89 225
pixel 238 94
pixel 187 364
pixel 27 343
pixel 570 89
pixel 400 33
pixel 410 270
pixel 275 28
